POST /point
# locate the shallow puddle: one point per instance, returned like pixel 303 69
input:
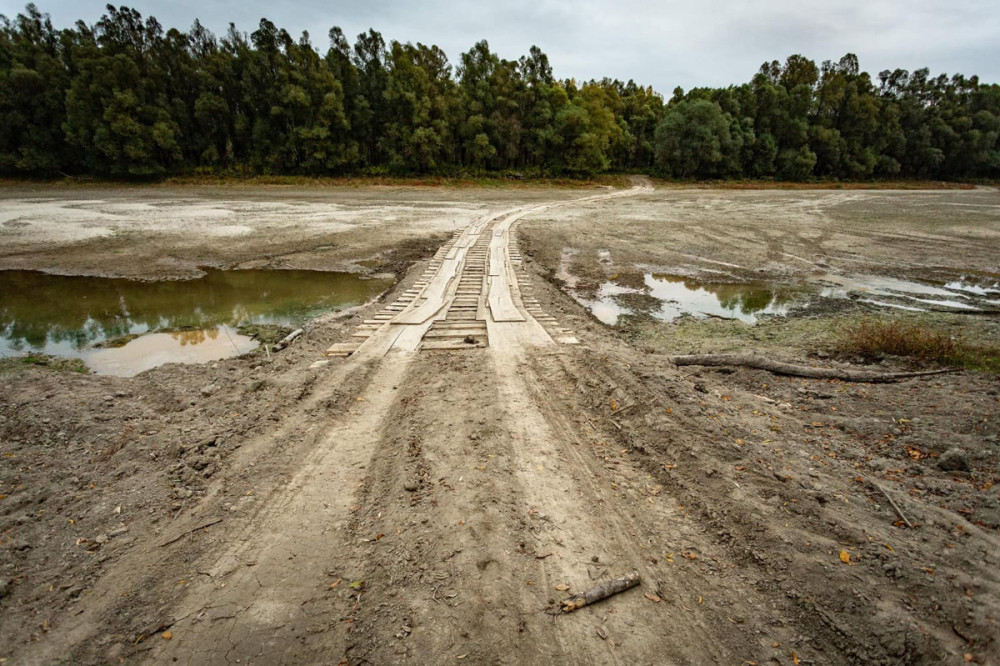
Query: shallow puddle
pixel 668 297
pixel 71 315
pixel 960 294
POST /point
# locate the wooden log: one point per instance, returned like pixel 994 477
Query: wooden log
pixel 287 340
pixel 601 591
pixel 779 368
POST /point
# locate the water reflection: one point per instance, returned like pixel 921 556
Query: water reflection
pixel 64 315
pixel 154 349
pixel 668 297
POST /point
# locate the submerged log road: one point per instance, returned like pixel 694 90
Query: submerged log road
pixel 473 291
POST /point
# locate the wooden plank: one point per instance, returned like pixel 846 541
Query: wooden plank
pixel 436 292
pixel 496 258
pixel 449 344
pixel 455 333
pixel 343 349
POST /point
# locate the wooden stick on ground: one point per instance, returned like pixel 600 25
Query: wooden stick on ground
pixel 600 591
pixel 190 531
pixel 779 368
pixel 899 512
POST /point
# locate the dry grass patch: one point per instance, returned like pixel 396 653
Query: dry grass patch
pixel 873 339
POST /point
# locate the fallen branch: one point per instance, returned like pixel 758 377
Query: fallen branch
pixel 899 512
pixel 190 531
pixel 287 340
pixel 779 368
pixel 600 591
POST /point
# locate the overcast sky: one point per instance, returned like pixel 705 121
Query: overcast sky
pixel 664 44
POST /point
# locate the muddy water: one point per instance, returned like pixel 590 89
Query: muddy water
pixel 669 297
pixel 185 321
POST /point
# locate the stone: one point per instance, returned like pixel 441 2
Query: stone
pixel 410 486
pixel 953 460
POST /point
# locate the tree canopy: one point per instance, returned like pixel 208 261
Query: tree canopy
pixel 126 98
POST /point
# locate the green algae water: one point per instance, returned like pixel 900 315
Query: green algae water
pixel 73 315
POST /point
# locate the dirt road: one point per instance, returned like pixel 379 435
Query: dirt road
pixel 429 491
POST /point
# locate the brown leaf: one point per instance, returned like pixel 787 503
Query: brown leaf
pixel 845 557
pixel 335 583
pixel 167 635
pixel 562 587
pixel 652 597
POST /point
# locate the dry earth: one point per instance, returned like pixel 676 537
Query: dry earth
pixel 400 506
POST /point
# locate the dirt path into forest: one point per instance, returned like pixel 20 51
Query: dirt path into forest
pixel 459 464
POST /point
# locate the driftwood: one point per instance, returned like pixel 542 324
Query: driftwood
pixel 779 368
pixel 287 340
pixel 600 591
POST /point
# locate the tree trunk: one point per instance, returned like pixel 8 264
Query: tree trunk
pixel 779 368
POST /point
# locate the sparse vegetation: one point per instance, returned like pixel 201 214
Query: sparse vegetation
pixel 873 339
pixel 54 363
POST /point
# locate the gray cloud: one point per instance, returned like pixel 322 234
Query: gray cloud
pixel 660 43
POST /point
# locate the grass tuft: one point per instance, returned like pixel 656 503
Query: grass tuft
pixel 872 339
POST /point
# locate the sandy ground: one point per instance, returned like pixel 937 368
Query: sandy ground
pixel 164 231
pixel 435 507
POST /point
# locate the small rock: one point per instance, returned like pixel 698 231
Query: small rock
pixel 953 460
pixel 4 587
pixel 410 486
pixel 118 531
pixel 209 390
pixel 101 539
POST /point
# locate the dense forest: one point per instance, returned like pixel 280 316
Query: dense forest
pixel 125 98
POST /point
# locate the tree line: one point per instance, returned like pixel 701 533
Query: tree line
pixel 125 98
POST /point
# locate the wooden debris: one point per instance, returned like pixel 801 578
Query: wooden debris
pixel 779 368
pixel 190 531
pixel 899 512
pixel 287 340
pixel 601 591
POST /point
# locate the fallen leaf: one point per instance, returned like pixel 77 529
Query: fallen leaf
pixel 795 658
pixel 690 556
pixel 562 587
pixel 357 585
pixel 652 597
pixel 167 635
pixel 699 599
pixel 335 583
pixel 462 656
pixel 845 557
